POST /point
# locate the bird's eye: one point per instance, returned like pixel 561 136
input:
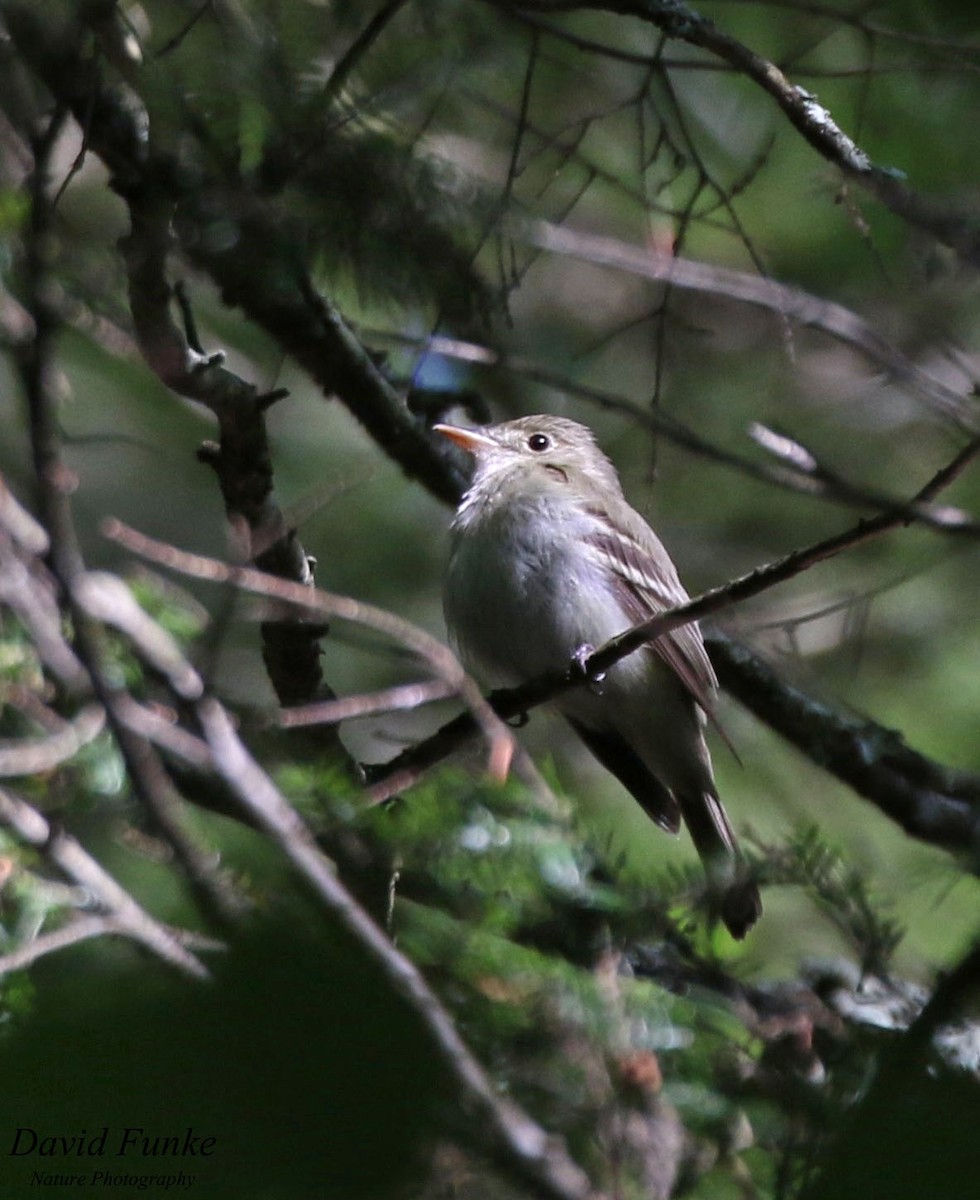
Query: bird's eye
pixel 538 442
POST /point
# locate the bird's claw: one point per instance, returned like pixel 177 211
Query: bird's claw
pixel 580 663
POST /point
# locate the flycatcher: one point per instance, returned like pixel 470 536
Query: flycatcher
pixel 549 561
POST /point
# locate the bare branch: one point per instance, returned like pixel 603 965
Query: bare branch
pixel 763 578
pixel 957 229
pixel 241 460
pixel 78 930
pixel 824 485
pixel 28 533
pixel 936 804
pixel 348 708
pixel 107 599
pixel 443 662
pixel 28 591
pixel 164 733
pixel 32 756
pixel 359 47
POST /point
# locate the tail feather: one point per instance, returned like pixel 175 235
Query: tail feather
pixel 740 904
pixel 737 898
pixel 741 907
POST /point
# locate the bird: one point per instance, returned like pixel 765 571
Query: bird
pixel 548 561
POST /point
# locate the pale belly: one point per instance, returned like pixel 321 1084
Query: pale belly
pixel 521 605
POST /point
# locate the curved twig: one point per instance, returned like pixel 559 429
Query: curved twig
pixel 78 865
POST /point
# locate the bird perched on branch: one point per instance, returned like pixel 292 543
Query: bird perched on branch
pixel 549 561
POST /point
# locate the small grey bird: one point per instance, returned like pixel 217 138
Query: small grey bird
pixel 548 561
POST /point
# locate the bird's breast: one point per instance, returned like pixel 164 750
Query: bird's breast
pixel 524 592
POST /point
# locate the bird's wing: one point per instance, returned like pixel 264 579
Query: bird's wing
pixel 646 584
pixel 618 756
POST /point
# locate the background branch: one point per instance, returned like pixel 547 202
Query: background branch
pixel 957 228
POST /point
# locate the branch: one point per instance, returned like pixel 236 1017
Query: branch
pixel 400 698
pixel 241 460
pixel 816 481
pixel 78 930
pixel 27 533
pixel 34 756
pixel 28 591
pixel 442 661
pixel 936 804
pixel 763 578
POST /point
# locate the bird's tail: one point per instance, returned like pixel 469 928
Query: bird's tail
pixel 738 899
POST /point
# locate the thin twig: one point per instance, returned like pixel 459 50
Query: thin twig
pixel 832 489
pixel 348 708
pixel 358 48
pixel 442 661
pixel 78 930
pixel 28 591
pixel 165 734
pixel 763 578
pixel 27 532
pixel 33 756
pixel 953 228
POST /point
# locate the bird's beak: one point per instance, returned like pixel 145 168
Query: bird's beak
pixel 471 440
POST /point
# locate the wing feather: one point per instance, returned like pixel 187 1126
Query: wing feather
pixel 646 584
pixel 619 757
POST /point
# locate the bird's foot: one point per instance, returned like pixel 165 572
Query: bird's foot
pixel 580 664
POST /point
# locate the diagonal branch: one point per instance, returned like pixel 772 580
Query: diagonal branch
pixel 937 804
pixel 816 481
pixel 441 660
pixel 35 756
pixel 763 578
pixel 787 302
pixel 520 1145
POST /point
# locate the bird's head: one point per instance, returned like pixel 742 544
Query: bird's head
pixel 541 449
